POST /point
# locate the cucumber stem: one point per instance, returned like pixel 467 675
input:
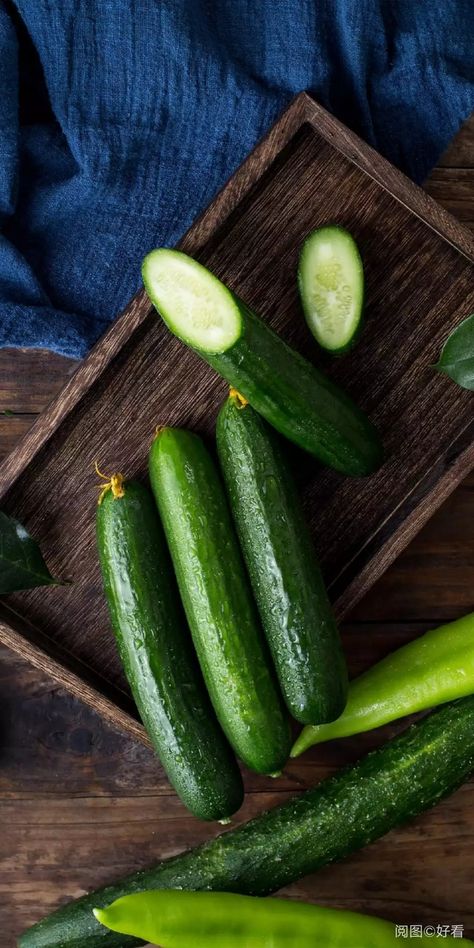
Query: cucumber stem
pixel 240 400
pixel 115 483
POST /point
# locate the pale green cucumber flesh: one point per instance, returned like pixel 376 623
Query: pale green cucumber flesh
pixel 194 304
pixel 331 284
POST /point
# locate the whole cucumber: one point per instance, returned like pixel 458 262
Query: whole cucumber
pixel 157 655
pixel 286 579
pixel 389 786
pixel 217 599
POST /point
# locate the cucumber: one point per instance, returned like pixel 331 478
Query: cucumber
pixel 331 285
pixel 287 583
pixel 217 600
pixel 342 814
pixel 293 396
pixel 157 655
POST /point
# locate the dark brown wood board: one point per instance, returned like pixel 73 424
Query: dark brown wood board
pixel 419 269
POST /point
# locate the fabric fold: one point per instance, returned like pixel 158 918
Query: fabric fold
pixel 119 121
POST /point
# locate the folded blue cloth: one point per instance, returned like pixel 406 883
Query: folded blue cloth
pixel 120 119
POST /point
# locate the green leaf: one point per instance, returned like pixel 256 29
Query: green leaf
pixel 21 563
pixel 457 357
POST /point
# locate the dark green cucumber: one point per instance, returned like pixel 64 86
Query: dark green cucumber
pixel 157 655
pixel 217 599
pixel 287 583
pixel 331 284
pixel 390 786
pixel 297 399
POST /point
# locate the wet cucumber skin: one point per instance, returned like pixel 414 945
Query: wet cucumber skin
pixel 156 652
pixel 296 398
pixel 288 586
pixel 388 787
pixel 217 599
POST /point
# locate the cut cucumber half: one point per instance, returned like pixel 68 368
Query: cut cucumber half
pixel 331 285
pixel 194 304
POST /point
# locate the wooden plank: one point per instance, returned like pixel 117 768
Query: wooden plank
pixel 12 429
pixel 454 187
pixel 29 378
pixel 432 579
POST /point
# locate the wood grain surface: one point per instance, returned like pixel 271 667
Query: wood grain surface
pixel 82 803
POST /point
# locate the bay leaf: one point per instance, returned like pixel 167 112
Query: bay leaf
pixel 457 357
pixel 21 562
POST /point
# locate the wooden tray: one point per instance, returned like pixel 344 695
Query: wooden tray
pixel 309 170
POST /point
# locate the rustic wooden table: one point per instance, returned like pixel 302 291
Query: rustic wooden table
pixel 81 804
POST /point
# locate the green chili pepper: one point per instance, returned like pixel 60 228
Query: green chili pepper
pixel 175 919
pixel 435 668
